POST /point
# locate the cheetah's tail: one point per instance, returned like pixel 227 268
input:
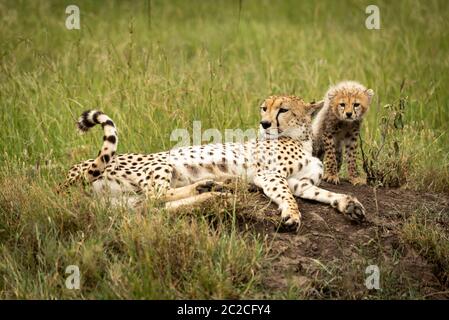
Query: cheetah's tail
pixel 89 119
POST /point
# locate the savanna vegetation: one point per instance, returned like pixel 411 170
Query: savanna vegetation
pixel 155 66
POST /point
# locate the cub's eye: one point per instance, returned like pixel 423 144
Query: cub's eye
pixel 282 110
pixel 356 105
pixel 264 109
pixel 342 105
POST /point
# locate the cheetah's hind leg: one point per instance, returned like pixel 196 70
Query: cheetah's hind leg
pixel 195 200
pixel 191 190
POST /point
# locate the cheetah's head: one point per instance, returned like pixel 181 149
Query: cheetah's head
pixel 349 100
pixel 287 116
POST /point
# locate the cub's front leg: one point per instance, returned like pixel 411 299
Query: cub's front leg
pixel 351 156
pixel 330 159
pixel 275 186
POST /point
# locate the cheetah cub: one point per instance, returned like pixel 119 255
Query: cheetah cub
pixel 338 124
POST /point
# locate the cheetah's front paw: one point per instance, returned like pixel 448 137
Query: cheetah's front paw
pixel 291 221
pixel 331 178
pixel 356 181
pixel 351 207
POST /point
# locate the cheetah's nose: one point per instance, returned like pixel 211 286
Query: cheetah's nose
pixel 265 124
pixel 348 114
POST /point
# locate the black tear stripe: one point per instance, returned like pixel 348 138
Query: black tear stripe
pixel 277 120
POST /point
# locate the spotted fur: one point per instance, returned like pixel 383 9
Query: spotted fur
pixel 283 167
pixel 88 120
pixel 337 125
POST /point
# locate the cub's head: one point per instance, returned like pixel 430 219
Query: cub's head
pixel 349 100
pixel 287 116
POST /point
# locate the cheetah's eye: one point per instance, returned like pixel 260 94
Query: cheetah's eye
pixel 342 105
pixel 264 109
pixel 282 110
pixel 356 105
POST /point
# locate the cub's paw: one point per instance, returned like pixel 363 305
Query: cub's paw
pixel 331 178
pixel 351 207
pixel 357 181
pixel 210 185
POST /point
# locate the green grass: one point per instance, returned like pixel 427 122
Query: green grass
pixel 121 255
pixel 426 232
pixel 155 66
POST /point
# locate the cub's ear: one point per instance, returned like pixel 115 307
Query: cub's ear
pixel 369 93
pixel 313 107
pixel 330 94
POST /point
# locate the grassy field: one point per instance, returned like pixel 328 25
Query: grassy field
pixel 156 66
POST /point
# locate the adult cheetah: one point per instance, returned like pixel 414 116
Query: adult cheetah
pixel 283 167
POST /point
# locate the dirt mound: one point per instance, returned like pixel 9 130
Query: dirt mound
pixel 328 257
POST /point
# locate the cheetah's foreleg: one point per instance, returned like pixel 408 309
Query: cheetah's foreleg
pixel 345 204
pixel 276 188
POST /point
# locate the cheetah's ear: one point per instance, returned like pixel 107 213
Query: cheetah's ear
pixel 313 107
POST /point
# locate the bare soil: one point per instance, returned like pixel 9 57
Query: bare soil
pixel 327 258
